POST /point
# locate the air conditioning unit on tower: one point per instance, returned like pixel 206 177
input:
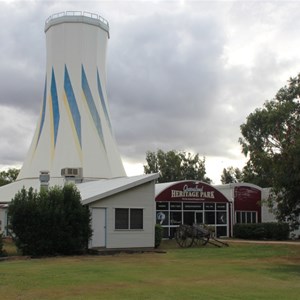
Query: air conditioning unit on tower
pixel 72 172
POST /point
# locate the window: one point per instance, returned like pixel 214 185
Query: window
pixel 122 218
pixel 246 217
pixel 128 218
pixel 136 218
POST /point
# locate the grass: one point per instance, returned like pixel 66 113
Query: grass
pixel 9 247
pixel 241 271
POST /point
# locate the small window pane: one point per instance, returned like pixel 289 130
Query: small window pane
pixel 199 218
pixel 210 218
pixel 209 206
pixel 193 206
pixel 188 217
pixel 162 218
pixel 121 218
pixel 221 218
pixel 243 217
pixel 248 217
pixel 221 206
pixel 166 232
pixel 175 206
pixel 136 218
pixel 162 206
pixel 254 217
pixel 238 217
pixel 221 231
pixel 175 218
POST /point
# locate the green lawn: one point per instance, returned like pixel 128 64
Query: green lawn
pixel 241 271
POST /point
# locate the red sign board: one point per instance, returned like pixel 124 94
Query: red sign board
pixel 191 191
pixel 247 198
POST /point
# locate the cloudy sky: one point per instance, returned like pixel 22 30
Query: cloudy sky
pixel 181 75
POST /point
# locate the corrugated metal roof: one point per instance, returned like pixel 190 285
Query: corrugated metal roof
pixel 90 191
pixel 8 191
pixel 96 190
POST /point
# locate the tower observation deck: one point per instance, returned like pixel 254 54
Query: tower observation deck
pixel 77 16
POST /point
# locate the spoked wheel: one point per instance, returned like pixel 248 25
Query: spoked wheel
pixel 201 241
pixel 184 237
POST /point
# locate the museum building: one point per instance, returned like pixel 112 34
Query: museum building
pixel 195 202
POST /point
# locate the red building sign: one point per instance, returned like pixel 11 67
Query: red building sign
pixel 191 191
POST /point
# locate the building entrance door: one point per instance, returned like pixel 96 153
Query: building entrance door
pixel 98 227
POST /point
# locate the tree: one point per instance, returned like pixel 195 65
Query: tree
pixel 271 140
pixel 49 222
pixel 231 175
pixel 174 166
pixel 256 175
pixel 8 176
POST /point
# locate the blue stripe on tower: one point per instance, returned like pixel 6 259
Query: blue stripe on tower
pixel 43 113
pixel 55 106
pixel 72 104
pixel 100 92
pixel 91 104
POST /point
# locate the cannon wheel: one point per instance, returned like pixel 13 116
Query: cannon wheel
pixel 201 241
pixel 183 237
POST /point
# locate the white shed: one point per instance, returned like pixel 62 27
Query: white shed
pixel 123 211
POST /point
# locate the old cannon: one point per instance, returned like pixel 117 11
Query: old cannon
pixel 187 235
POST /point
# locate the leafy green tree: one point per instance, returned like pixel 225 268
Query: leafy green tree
pixel 8 176
pixel 256 175
pixel 271 140
pixel 174 165
pixel 49 222
pixel 231 175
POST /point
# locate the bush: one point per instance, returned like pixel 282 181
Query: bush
pixel 262 231
pixel 1 245
pixel 50 222
pixel 158 235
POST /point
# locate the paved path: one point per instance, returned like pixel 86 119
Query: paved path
pixel 264 242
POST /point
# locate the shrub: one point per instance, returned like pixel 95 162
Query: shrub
pixel 260 231
pixel 158 235
pixel 1 245
pixel 50 222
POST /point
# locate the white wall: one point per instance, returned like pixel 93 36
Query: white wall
pixel 268 216
pixel 138 197
pixel 3 220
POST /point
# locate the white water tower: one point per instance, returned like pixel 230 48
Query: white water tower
pixel 74 129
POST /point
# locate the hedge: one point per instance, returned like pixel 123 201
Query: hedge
pixel 262 231
pixel 158 235
pixel 1 245
pixel 52 222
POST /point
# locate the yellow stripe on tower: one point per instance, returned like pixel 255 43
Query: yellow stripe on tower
pixel 77 142
pixel 91 118
pixel 51 127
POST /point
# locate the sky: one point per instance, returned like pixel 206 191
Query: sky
pixel 181 75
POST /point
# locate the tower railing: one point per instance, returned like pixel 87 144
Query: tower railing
pixel 77 14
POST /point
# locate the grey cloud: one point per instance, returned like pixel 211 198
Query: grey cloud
pixel 16 131
pixel 163 90
pixel 22 55
pixel 168 83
